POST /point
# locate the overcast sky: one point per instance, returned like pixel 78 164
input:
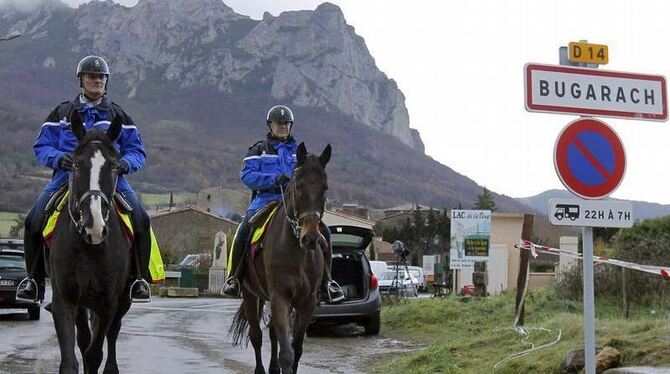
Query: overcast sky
pixel 460 66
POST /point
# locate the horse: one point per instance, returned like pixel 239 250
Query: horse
pixel 289 270
pixel 89 256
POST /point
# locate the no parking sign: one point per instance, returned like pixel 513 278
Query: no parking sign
pixel 589 158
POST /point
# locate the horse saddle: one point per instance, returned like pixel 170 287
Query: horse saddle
pixel 260 216
pixel 121 202
pixel 259 223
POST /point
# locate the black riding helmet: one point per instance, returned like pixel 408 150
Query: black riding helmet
pixel 280 113
pixel 92 65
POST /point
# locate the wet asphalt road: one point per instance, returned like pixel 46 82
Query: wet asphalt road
pixel 186 336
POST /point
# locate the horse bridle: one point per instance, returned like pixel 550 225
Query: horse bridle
pixel 295 219
pixel 79 224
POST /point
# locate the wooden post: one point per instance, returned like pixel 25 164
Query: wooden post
pixel 624 288
pixel 524 255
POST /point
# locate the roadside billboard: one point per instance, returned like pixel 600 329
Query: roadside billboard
pixel 470 238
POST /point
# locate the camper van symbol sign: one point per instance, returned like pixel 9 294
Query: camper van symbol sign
pixel 590 213
pixel 567 211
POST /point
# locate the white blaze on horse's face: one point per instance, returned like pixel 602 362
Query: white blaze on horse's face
pixel 96 230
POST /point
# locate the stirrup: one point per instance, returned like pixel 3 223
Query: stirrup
pixel 130 291
pixel 37 291
pixel 336 289
pixel 232 287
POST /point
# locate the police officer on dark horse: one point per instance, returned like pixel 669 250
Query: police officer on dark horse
pixel 53 148
pixel 267 169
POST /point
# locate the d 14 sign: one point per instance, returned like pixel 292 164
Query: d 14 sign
pixel 588 53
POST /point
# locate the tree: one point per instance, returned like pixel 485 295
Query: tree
pixel 485 201
pixel 16 231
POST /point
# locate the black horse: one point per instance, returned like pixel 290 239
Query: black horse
pixel 289 271
pixel 90 255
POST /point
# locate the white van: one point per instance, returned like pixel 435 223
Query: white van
pixel 378 267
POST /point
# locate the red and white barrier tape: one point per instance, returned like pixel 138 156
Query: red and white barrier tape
pixel 535 248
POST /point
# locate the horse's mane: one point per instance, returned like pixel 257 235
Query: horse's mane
pixel 96 136
pixel 310 165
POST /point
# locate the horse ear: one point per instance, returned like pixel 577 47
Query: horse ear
pixel 301 154
pixel 325 156
pixel 77 127
pixel 115 128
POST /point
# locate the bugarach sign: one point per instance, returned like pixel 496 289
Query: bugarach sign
pixel 571 90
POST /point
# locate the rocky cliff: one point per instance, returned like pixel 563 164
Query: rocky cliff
pixel 306 58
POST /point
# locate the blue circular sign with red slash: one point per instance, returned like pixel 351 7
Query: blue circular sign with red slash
pixel 589 158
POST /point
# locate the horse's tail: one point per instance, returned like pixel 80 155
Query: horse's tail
pixel 240 327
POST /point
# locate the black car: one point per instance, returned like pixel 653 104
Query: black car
pixel 12 271
pixel 351 270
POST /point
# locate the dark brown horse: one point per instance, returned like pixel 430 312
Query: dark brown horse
pixel 288 272
pixel 90 255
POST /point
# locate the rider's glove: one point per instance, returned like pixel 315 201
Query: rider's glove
pixel 121 167
pixel 66 163
pixel 282 180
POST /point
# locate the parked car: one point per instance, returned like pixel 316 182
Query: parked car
pixel 417 272
pixel 399 279
pixel 352 271
pixel 378 267
pixel 12 271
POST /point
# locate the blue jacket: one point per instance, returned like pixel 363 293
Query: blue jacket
pixel 266 160
pixel 56 139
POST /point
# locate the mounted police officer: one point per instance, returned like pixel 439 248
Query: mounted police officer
pixel 267 167
pixel 53 149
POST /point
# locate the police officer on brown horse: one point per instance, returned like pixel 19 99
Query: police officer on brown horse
pixel 267 169
pixel 53 149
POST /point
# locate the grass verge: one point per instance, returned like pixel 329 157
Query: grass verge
pixel 472 336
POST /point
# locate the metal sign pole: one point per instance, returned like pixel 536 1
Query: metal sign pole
pixel 589 307
pixel 587 266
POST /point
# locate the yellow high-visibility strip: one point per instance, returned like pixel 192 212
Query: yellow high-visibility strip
pixel 156 268
pixel 51 222
pixel 260 230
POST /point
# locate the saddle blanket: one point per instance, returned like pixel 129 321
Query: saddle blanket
pixel 156 268
pixel 259 235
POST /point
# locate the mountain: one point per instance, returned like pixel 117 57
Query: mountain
pixel 641 209
pixel 197 78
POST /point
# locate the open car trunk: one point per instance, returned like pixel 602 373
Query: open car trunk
pixel 347 271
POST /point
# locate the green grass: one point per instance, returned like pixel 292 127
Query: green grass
pixel 471 337
pixel 6 222
pixel 153 199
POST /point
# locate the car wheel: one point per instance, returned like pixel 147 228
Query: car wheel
pixel 34 313
pixel 373 324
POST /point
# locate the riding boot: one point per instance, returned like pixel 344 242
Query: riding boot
pixel 237 252
pixel 331 292
pixel 32 288
pixel 140 292
pixel 139 289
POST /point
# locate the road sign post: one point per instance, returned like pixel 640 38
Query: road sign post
pixel 588 156
pixel 589 304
